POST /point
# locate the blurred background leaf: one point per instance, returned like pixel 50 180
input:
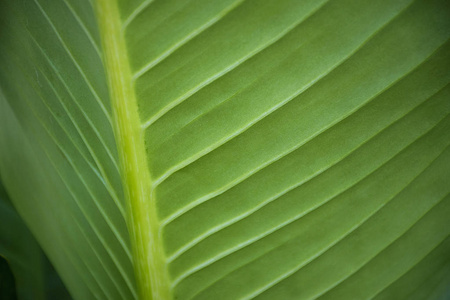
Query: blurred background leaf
pixel 25 272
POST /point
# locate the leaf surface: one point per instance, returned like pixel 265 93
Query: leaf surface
pixel 231 149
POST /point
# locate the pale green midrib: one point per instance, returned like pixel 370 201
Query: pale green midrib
pixel 148 256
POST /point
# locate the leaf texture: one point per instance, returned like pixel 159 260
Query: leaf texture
pixel 234 149
pixel 59 158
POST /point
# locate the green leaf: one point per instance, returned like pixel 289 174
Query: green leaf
pixel 25 273
pixel 276 149
pixel 22 253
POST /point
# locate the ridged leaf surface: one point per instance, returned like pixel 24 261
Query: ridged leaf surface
pixel 232 149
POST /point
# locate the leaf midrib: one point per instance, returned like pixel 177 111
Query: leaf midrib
pixel 148 255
